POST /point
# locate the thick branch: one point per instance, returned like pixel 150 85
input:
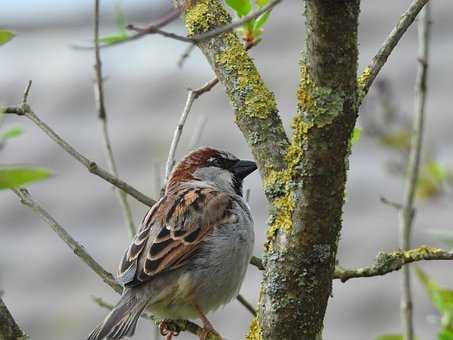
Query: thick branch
pixel 9 330
pixel 371 71
pixel 255 107
pixel 102 116
pixel 390 262
pixel 407 210
pixel 25 110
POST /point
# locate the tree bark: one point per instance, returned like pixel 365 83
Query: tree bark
pixel 304 180
pixel 9 330
pixel 300 257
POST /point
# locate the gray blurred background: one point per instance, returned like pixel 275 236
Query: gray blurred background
pixel 48 289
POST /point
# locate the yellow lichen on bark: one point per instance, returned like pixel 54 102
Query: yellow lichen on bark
pixel 204 16
pixel 255 332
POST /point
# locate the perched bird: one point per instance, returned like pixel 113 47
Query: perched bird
pixel 191 253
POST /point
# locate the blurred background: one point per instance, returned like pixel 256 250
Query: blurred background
pixel 49 290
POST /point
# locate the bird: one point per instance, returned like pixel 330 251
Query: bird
pixel 192 250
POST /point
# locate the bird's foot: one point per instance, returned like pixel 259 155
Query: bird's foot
pixel 166 331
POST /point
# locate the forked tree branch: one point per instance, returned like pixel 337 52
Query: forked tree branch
pixel 25 110
pixel 9 329
pixel 370 73
pixel 102 117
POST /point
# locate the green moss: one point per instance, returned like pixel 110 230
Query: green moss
pixel 255 332
pixel 255 100
pixel 318 105
pixel 362 80
pixel 204 16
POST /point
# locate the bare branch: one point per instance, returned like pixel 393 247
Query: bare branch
pixel 177 133
pixel 26 199
pixel 228 28
pixel 243 301
pixel 371 71
pixel 176 325
pixel 102 116
pixel 25 110
pixel 257 262
pixel 155 29
pixel 385 262
pixel 78 249
pixel 389 262
pixel 407 211
pixel 9 330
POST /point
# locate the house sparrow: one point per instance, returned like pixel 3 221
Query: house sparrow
pixel 192 251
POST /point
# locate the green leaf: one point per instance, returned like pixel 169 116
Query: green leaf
pixel 441 298
pixel 15 177
pixel 241 7
pixel 11 133
pixel 356 134
pixel 390 337
pixel 259 23
pixel 261 3
pixel 446 335
pixel 114 39
pixel 5 36
pixel 436 170
pixel 120 19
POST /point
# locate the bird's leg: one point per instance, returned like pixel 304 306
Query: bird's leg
pixel 207 326
pixel 166 331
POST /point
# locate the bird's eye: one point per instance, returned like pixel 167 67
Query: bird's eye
pixel 217 162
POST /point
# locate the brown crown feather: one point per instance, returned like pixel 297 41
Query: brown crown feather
pixel 183 171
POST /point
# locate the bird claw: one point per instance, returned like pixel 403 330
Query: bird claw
pixel 166 331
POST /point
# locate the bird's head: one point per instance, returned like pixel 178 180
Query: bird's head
pixel 214 167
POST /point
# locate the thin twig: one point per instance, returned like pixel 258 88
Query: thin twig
pixel 392 204
pixel 385 262
pixel 243 301
pixel 154 29
pixel 376 64
pixel 185 55
pixel 9 329
pixel 177 134
pixel 102 117
pixel 228 28
pixel 26 199
pixel 92 167
pixel 389 262
pixel 78 249
pixel 406 213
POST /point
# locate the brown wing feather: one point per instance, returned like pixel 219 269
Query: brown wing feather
pixel 183 219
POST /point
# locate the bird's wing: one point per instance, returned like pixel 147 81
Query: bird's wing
pixel 171 232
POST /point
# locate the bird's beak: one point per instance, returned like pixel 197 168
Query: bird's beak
pixel 242 169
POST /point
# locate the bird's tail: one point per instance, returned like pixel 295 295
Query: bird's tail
pixel 122 320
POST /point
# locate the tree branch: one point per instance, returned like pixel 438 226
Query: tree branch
pixel 26 199
pixel 102 117
pixel 77 248
pixel 389 262
pixel 92 167
pixel 407 210
pixel 255 108
pixel 9 330
pixel 372 70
